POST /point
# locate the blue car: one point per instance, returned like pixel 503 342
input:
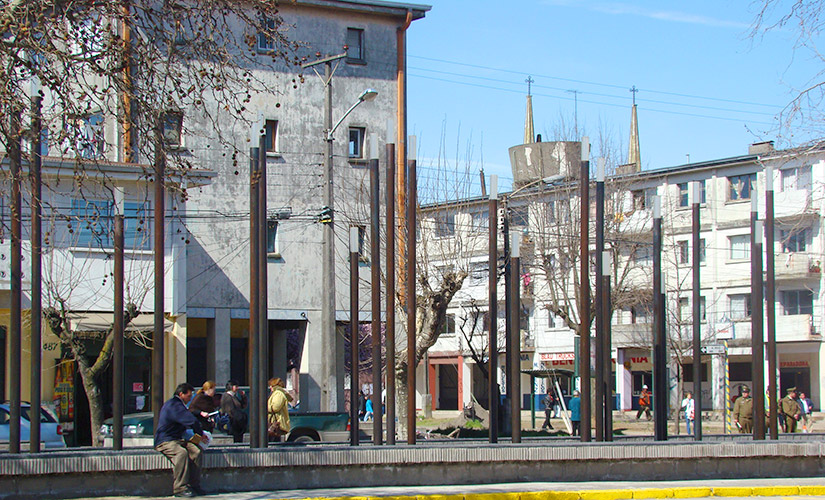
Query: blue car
pixel 51 432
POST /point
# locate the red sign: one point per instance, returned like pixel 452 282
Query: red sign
pixel 137 386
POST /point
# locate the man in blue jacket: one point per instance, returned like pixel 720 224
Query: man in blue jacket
pixel 576 413
pixel 185 456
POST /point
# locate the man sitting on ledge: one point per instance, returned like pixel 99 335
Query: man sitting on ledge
pixel 185 455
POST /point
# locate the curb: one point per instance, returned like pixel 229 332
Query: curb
pixel 615 494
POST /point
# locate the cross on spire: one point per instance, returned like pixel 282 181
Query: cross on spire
pixel 529 82
pixel 633 90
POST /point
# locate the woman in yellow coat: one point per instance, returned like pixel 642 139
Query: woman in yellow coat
pixel 278 407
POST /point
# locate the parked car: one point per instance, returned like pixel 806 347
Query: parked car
pixel 51 432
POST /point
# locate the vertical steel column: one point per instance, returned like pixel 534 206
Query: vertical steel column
pixel 515 352
pixel 36 271
pixel 602 378
pixel 158 336
pixel 697 316
pixel 263 352
pixel 375 288
pixel 329 385
pixel 118 326
pixel 254 294
pixel 15 325
pixel 757 317
pixel 770 299
pixel 659 340
pixel 354 398
pixel 607 345
pixel 390 340
pixel 412 204
pixel 584 289
pixel 492 298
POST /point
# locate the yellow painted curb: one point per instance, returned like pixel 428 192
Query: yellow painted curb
pixel 401 497
pixel 549 495
pixel 653 493
pixel 775 491
pixel 492 496
pixel 438 497
pixel 694 492
pixel 732 491
pixel 605 494
pixel 812 490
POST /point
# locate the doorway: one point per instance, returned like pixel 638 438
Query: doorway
pixel 794 377
pixel 448 387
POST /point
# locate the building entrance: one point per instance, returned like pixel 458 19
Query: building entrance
pixel 794 377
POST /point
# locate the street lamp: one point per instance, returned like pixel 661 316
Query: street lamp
pixel 366 95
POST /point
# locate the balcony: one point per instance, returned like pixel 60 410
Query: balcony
pixel 632 335
pixel 795 328
pixel 796 266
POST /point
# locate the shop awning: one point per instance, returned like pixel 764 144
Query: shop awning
pixel 102 321
pixel 547 372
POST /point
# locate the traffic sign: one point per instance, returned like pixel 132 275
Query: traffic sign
pixel 713 349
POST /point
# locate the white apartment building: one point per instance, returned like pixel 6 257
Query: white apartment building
pixel 546 216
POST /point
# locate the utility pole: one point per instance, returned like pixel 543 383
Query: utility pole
pixel 757 311
pixel 353 336
pixel 263 304
pixel 514 363
pixel 390 341
pixel 659 335
pixel 36 270
pixel 492 291
pixel 118 326
pixel 375 289
pixel 159 256
pixel 411 298
pixel 601 389
pixel 607 365
pixel 770 296
pixel 254 297
pixel 584 289
pixel 16 271
pixel 697 316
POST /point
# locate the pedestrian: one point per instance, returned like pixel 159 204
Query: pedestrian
pixel 644 403
pixel 233 403
pixel 576 413
pixel 362 405
pixel 807 412
pixel 203 404
pixel 688 406
pixel 548 401
pixel 185 455
pixel 277 410
pixel 790 409
pixel 368 413
pixel 743 411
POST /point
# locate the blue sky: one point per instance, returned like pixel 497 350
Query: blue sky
pixel 705 89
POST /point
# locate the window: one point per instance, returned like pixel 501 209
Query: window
pixel 639 201
pixel 684 252
pixel 85 136
pixel 444 225
pixel 740 186
pixel 519 216
pixel 87 38
pixel 356 142
pixel 172 126
pixel 798 178
pixel 271 136
pixel 686 309
pixel 481 319
pixel 740 306
pixel 684 196
pixel 355 45
pixel 272 237
pixel 448 328
pixel 794 241
pixel 640 314
pixel 642 253
pixel 478 273
pixel 362 249
pixel 91 223
pixel 480 220
pixel 265 38
pixel 740 247
pixel 797 302
pixel 137 233
pixel 687 372
pixel 702 250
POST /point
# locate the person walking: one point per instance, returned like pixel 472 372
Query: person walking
pixel 644 403
pixel 277 410
pixel 688 406
pixel 233 403
pixel 173 421
pixel 548 401
pixel 790 409
pixel 807 412
pixel 576 413
pixel 203 404
pixel 743 411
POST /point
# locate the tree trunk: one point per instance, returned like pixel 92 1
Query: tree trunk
pixel 92 388
pixel 401 403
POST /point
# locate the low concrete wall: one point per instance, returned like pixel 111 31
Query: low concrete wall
pixel 89 473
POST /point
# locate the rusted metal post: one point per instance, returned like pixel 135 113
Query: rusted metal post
pixel 697 315
pixel 254 294
pixel 584 289
pixel 757 317
pixel 390 340
pixel 375 289
pixel 353 336
pixel 410 288
pixel 118 326
pixel 36 270
pixel 606 257
pixel 515 354
pixel 770 299
pixel 598 302
pixel 159 257
pixel 263 304
pixel 16 271
pixel 659 345
pixel 492 291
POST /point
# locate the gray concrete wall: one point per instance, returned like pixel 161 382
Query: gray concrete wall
pixel 80 474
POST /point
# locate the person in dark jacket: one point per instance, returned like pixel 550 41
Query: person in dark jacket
pixel 233 403
pixel 548 402
pixel 175 418
pixel 203 404
pixel 576 413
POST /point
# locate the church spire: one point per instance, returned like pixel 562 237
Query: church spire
pixel 633 154
pixel 529 131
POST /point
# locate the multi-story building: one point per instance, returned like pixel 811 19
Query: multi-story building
pixel 547 218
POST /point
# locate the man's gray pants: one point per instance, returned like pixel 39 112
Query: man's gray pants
pixel 186 463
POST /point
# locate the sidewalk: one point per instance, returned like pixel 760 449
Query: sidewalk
pixel 733 488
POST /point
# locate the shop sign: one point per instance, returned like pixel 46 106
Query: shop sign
pixel 793 364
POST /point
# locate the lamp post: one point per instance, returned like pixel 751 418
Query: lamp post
pixel 330 399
